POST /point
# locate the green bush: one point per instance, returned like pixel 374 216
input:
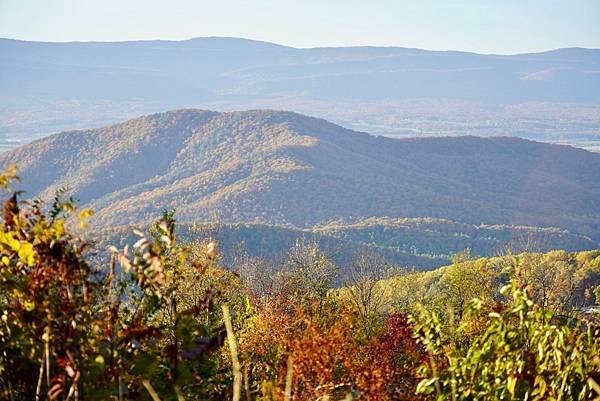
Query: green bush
pixel 526 353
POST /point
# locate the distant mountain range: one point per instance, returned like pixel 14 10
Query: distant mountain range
pixel 553 96
pixel 288 170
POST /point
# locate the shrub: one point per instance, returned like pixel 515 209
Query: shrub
pixel 526 352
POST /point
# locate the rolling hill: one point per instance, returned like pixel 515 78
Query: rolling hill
pixel 283 168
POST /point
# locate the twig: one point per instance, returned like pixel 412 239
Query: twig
pixel 237 374
pixel 592 383
pixel 40 379
pixel 288 379
pixel 179 393
pixel 47 352
pixel 151 390
pixel 247 384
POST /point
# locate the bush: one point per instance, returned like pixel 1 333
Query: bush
pixel 526 352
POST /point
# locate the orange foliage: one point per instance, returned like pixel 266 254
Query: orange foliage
pixel 328 359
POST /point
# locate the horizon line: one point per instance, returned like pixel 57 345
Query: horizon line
pixel 100 41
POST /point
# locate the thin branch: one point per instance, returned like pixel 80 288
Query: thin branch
pixel 237 374
pixel 288 379
pixel 151 390
pixel 40 379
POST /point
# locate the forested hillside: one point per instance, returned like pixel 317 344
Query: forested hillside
pixel 285 168
pixel 421 244
pixel 228 219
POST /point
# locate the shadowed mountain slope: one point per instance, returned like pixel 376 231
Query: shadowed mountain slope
pixel 420 243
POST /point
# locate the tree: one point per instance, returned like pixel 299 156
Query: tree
pixel 466 279
pixel 308 275
pixel 259 275
pixel 363 282
pixel 557 280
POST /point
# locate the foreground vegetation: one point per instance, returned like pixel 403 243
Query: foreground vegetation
pixel 165 320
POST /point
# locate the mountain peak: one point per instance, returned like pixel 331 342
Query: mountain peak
pixel 232 42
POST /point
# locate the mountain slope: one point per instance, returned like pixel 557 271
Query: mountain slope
pixel 286 168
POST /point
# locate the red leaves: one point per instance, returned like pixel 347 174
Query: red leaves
pixel 322 357
pixel 141 332
pixel 11 211
pixel 60 381
pixel 398 355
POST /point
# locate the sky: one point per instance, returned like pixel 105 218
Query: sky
pixel 484 26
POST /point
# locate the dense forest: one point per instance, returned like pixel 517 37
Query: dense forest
pixel 164 318
pixel 420 243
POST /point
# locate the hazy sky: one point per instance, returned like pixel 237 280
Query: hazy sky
pixel 488 26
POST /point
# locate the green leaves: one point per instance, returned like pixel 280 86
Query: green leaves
pixel 525 353
pixel 426 386
pixel 49 296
